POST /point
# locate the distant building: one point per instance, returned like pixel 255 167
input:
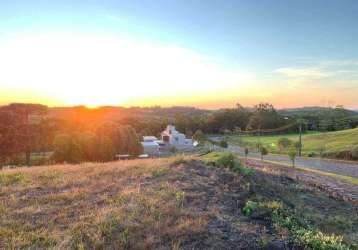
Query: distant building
pixel 150 147
pixel 174 138
pixel 149 138
pixel 170 138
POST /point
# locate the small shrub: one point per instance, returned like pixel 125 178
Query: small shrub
pixel 226 160
pixel 312 154
pixel 312 239
pixel 292 154
pixel 273 205
pixel 283 143
pixel 246 151
pixel 354 152
pixel 180 197
pixel 263 152
pixel 249 207
pixel 239 168
pixel 223 144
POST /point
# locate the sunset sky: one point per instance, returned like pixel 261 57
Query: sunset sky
pixel 208 54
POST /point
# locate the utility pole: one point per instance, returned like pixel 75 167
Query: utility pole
pixel 300 140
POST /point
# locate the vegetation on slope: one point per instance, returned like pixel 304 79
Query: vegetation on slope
pixel 338 144
pixel 171 203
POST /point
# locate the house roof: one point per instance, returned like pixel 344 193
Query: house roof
pixel 149 138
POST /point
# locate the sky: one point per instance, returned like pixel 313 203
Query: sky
pixel 209 54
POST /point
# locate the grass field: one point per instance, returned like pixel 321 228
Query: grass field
pixel 170 203
pixel 331 144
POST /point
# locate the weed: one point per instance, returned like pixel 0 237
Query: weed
pixel 118 201
pixel 180 197
pixel 108 226
pixel 160 172
pixel 249 207
pixel 11 179
pixel 226 160
pixel 124 238
pixel 239 168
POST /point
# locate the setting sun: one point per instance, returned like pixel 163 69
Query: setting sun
pixel 89 70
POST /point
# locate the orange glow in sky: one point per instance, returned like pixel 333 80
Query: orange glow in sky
pixel 69 69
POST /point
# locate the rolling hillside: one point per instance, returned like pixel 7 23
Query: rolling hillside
pixel 336 144
pixel 169 203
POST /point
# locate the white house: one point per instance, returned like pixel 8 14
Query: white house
pixel 149 138
pixel 173 137
pixel 150 147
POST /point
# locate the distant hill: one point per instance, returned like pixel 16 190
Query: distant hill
pixel 315 110
pixel 119 113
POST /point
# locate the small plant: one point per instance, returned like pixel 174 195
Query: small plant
pixel 322 150
pixel 226 160
pixel 283 143
pixel 10 179
pixel 263 151
pixel 160 172
pixel 245 171
pixel 246 151
pixel 273 205
pixel 354 152
pixel 249 207
pixel 180 197
pixel 223 144
pixel 292 154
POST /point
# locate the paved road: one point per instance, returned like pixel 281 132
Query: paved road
pixel 348 169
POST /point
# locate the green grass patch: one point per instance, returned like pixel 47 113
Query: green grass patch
pixel 301 232
pixel 336 144
pixel 227 160
pixel 7 179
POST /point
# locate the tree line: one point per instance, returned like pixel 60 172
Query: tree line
pixel 25 129
pixel 100 134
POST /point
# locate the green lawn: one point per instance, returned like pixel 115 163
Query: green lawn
pixel 330 143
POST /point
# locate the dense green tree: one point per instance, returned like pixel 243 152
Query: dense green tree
pixel 263 152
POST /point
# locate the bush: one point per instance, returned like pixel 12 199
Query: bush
pixel 223 144
pixel 239 168
pixel 283 143
pixel 249 207
pixel 312 154
pixel 199 136
pixel 292 154
pixel 246 151
pixel 226 160
pixel 263 152
pixel 354 152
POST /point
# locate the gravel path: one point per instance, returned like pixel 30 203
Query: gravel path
pixel 348 169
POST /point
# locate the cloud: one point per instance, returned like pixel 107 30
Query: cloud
pixel 321 70
pixel 312 73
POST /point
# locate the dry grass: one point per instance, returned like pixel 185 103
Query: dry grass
pixel 169 203
pixel 94 205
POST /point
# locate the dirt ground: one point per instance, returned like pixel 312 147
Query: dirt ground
pixel 333 187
